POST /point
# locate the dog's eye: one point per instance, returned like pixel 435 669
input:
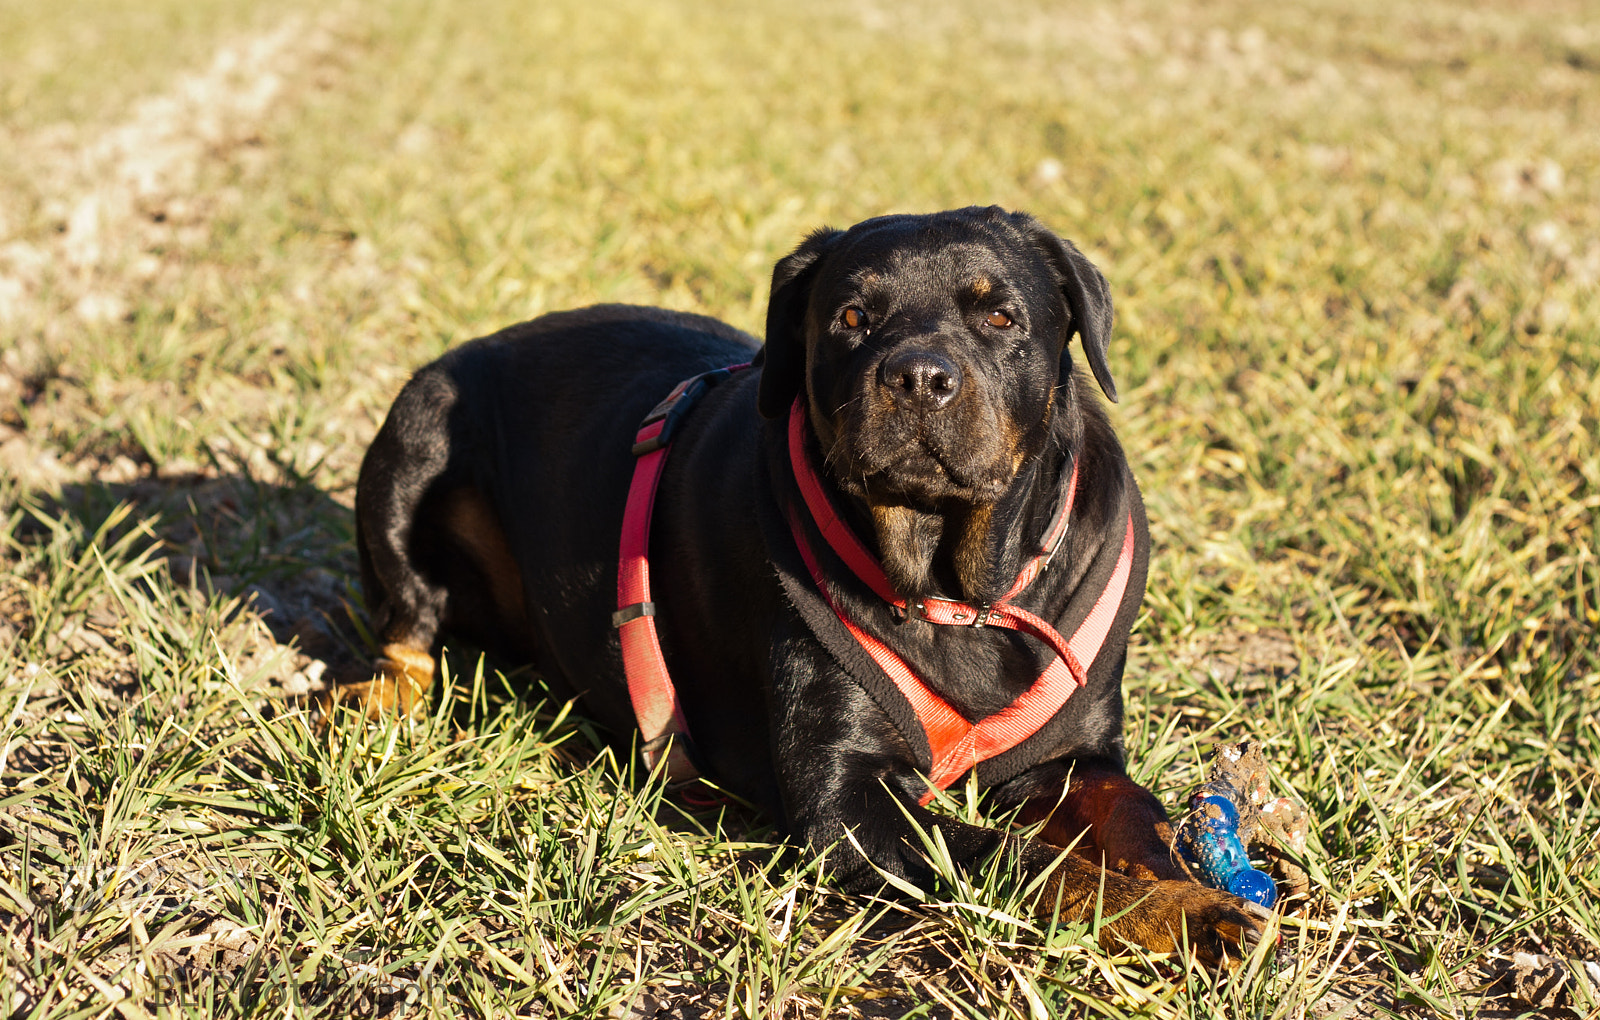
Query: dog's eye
pixel 997 319
pixel 853 318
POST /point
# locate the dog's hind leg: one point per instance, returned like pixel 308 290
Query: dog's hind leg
pixel 434 557
pixel 406 597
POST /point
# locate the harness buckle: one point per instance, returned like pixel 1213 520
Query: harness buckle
pixel 656 746
pixel 673 406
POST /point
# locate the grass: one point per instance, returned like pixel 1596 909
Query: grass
pixel 1353 251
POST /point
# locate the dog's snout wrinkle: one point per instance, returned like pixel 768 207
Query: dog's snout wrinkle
pixel 922 381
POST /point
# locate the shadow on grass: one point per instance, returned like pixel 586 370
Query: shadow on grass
pixel 288 549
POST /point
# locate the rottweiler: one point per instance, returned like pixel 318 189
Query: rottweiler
pixel 872 558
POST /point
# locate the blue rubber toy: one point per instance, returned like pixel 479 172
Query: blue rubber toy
pixel 1209 841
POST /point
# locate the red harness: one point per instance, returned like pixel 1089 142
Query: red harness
pixel 655 700
pixel 957 744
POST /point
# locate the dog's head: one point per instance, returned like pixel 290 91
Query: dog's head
pixel 931 351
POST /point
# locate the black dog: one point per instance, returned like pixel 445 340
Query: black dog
pixel 938 405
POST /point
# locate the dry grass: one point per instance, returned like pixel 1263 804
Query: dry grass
pixel 1355 249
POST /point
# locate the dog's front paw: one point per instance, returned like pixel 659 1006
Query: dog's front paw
pixel 1218 927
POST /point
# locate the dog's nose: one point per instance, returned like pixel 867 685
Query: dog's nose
pixel 921 380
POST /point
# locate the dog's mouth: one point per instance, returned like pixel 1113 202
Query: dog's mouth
pixel 928 452
pixel 892 460
pixel 925 466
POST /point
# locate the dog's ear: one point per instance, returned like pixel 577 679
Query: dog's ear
pixel 1088 298
pixel 783 359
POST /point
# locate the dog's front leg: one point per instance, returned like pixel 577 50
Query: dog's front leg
pixel 849 790
pixel 1108 818
pixel 846 784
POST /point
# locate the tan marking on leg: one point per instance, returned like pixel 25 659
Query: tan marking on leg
pixel 470 521
pixel 408 673
pixel 401 659
pixel 1155 915
pixel 1111 819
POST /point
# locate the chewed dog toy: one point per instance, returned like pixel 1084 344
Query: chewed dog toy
pixel 1209 842
pixel 1230 810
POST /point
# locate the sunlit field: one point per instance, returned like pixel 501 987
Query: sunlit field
pixel 1355 254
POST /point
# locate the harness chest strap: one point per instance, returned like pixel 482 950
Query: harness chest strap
pixel 956 744
pixel 655 699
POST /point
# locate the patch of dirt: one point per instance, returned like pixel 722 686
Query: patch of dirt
pixel 124 201
pixel 117 216
pixel 118 211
